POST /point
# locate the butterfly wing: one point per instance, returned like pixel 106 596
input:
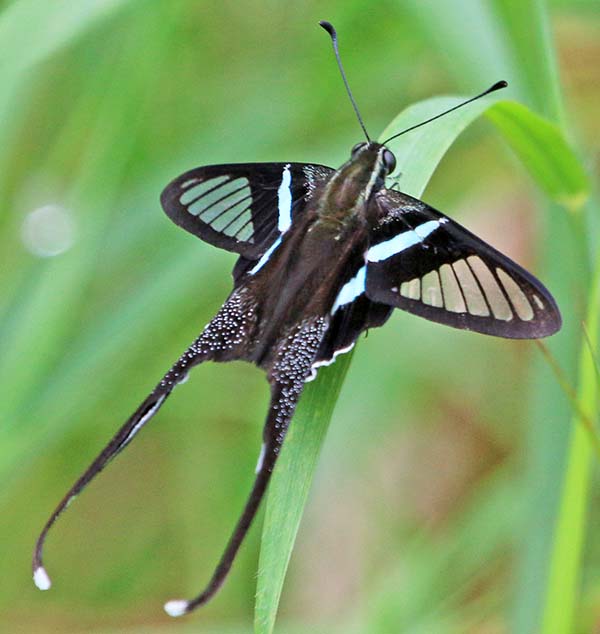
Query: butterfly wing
pixel 425 263
pixel 242 207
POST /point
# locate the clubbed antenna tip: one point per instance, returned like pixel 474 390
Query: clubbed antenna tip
pixel 333 34
pixel 497 86
pixel 329 28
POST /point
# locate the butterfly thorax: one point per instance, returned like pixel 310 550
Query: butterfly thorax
pixel 303 278
pixel 326 247
pixel 347 194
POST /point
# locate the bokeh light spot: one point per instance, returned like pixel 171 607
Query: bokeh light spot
pixel 48 231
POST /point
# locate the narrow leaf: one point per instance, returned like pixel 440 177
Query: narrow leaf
pixel 418 153
pixel 565 567
pixel 290 486
pixel 544 151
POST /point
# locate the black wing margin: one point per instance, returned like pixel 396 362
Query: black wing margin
pixel 241 207
pixel 425 263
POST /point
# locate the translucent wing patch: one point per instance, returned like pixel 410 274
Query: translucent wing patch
pixel 243 207
pixel 423 262
pixel 223 203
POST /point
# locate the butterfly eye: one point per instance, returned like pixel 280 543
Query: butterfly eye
pixel 389 161
pixel 357 147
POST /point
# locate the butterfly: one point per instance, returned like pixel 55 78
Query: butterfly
pixel 324 255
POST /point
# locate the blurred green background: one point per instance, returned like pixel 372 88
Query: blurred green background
pixel 437 498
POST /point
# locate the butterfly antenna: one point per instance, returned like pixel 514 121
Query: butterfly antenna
pixel 333 34
pixel 497 86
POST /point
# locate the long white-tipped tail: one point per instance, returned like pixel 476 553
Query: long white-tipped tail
pixel 41 578
pixel 175 608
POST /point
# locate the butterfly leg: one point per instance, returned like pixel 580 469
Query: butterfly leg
pixel 395 180
pixel 222 340
pixel 287 377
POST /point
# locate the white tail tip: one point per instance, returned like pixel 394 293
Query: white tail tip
pixel 176 608
pixel 41 578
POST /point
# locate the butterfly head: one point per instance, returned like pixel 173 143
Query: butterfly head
pixel 382 155
pixel 369 165
pixel 362 176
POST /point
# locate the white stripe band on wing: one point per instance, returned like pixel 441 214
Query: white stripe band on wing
pixel 319 364
pixel 284 195
pixel 284 219
pixel 402 241
pixel 265 257
pixel 351 289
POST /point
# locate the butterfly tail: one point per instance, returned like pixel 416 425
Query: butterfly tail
pixel 219 341
pixel 117 443
pixel 288 375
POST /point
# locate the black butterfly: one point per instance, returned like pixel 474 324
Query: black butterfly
pixel 325 254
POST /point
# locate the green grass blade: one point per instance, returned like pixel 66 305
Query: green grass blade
pixel 572 395
pixel 569 538
pixel 541 146
pixel 418 154
pixel 290 486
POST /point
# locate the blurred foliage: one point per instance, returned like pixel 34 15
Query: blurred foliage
pixel 436 505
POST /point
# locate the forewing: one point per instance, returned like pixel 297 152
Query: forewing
pixel 241 207
pixel 424 262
